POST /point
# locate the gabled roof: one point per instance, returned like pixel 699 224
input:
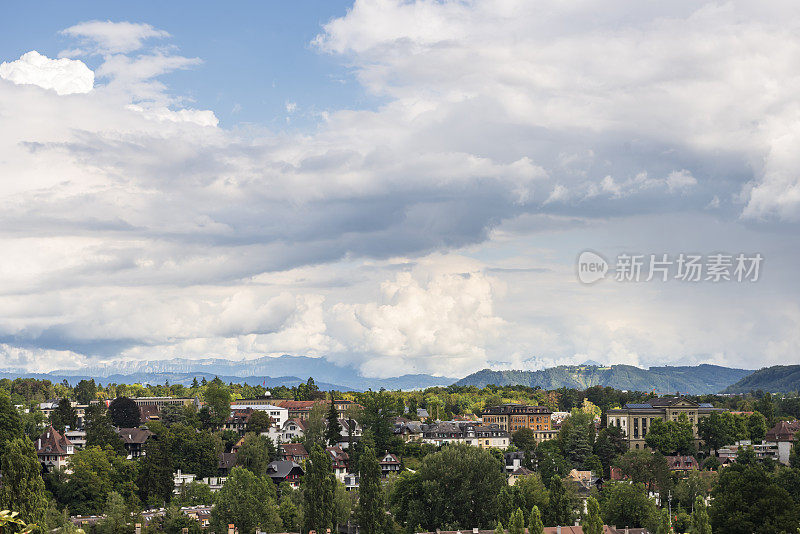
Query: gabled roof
pixel 134 435
pixel 52 442
pixel 783 431
pixel 389 459
pixel 294 449
pixel 227 460
pixel 682 463
pixel 521 472
pixel 282 468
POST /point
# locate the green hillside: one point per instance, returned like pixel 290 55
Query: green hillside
pixel 693 380
pixel 776 379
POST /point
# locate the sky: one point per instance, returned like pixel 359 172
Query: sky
pixel 400 186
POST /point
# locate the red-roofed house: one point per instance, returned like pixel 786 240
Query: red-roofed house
pixel 293 452
pixel 682 464
pixel 782 435
pixel 53 449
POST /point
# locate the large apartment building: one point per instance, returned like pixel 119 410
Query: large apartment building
pixel 636 419
pixel 512 417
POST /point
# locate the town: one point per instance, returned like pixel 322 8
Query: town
pixel 216 457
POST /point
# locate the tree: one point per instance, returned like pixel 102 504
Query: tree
pixel 535 525
pixel 65 415
pixel 647 468
pixel 124 413
pixel 259 422
pixel 498 529
pixel 517 524
pixel 379 409
pixel 10 421
pixel 318 487
pixel 717 430
pixel 561 510
pixel 593 522
pixel 625 504
pixel 757 426
pixel 671 437
pixel 308 391
pixel 218 400
pixel 99 432
pixel 157 467
pixel 195 493
pixel 767 408
pixel 662 522
pixel 749 498
pixel 118 517
pixel 95 474
pixel 370 514
pixel 194 451
pixel 22 488
pixel 256 453
pixel 85 391
pixel 457 486
pixel 333 429
pixel 701 523
pixel 247 501
pixel 551 461
pixel 315 427
pixel 524 439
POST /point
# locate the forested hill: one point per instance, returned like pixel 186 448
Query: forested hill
pixel 693 380
pixel 776 379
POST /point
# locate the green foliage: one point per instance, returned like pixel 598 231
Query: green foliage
pixel 193 494
pixel 247 501
pixel 524 439
pixel 95 474
pixel 379 409
pixel 370 513
pixel 193 451
pixel 256 453
pixel 259 422
pixel 498 529
pixel 86 391
pixel 517 524
pixel 551 460
pixel 118 516
pixel 750 498
pixel 671 437
pixel 757 426
pixel 593 522
pixel 65 415
pixel 9 521
pixel 308 391
pixel 662 522
pixel 647 468
pixel 535 525
pixel 22 487
pixel 626 504
pixel 99 430
pixel 124 413
pixel 457 486
pixel 561 508
pixel 218 400
pixel 333 429
pixel 701 523
pixel 318 490
pixel 528 492
pixel 157 468
pixel 717 430
pixel 10 421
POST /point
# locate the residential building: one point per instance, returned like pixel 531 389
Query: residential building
pixel 339 462
pixel 682 464
pixel 512 417
pixel 409 431
pixel 134 440
pixel 285 471
pixel 227 461
pixel 53 449
pixel 351 481
pixel 77 437
pixel 293 452
pixel 518 473
pixel 636 419
pixel 514 460
pixel 782 436
pixel 484 436
pixel 160 402
pixel 389 465
pixel 278 414
pixel 180 479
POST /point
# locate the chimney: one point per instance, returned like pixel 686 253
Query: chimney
pixel 230 528
pixel 138 528
pixel 475 531
pixel 558 529
pixel 184 530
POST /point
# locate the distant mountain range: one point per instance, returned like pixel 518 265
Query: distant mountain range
pixel 776 379
pixel 268 371
pixel 693 380
pixel 292 370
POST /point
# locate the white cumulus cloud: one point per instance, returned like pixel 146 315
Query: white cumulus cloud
pixel 64 76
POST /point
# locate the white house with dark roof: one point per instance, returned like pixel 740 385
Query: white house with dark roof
pixel 53 449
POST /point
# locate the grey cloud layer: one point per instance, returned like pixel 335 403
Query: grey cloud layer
pixel 142 229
